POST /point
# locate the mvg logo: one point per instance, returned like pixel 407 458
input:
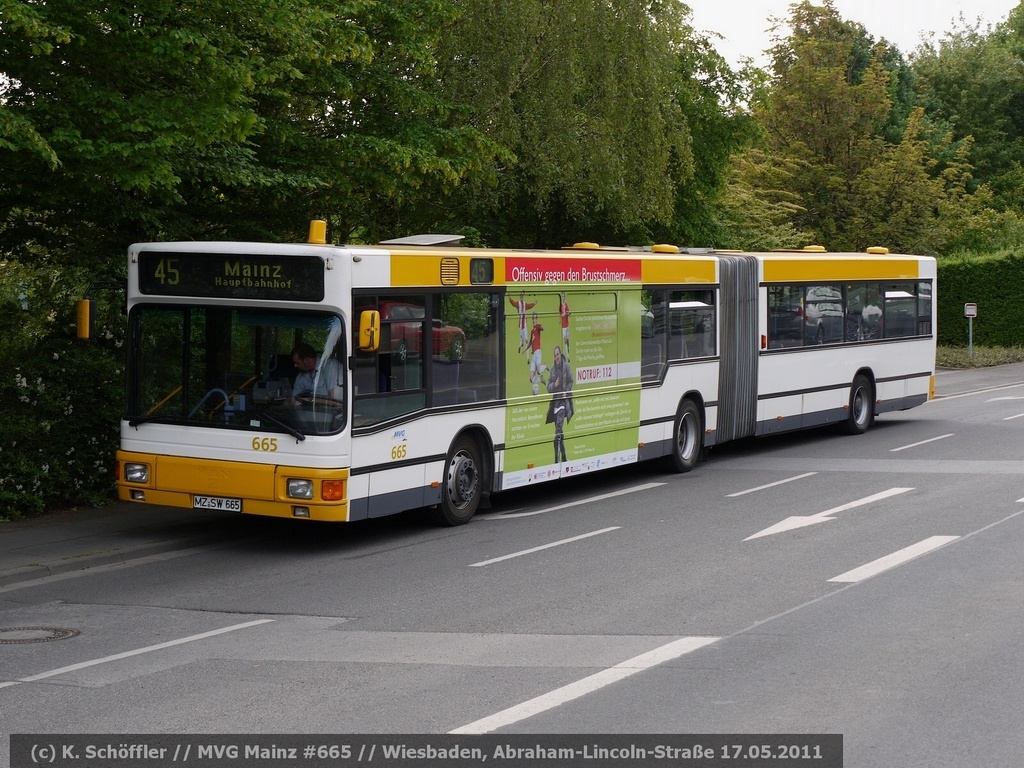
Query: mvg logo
pixel 217 751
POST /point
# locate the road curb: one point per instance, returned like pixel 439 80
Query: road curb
pixel 85 561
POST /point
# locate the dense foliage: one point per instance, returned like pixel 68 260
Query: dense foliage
pixel 994 283
pixel 61 399
pixel 591 101
pixel 520 123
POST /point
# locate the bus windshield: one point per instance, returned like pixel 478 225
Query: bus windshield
pixel 232 368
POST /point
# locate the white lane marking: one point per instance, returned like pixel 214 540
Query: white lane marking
pixel 997 399
pixel 940 397
pixel 588 500
pixel 1011 418
pixel 137 652
pixel 770 485
pixel 923 442
pixel 544 546
pixel 896 558
pixel 567 693
pixel 791 523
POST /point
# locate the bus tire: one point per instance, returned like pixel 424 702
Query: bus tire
pixel 687 437
pixel 862 407
pixel 463 483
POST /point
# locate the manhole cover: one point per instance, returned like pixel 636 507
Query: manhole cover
pixel 13 635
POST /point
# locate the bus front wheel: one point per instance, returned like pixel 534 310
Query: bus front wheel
pixel 687 438
pixel 862 407
pixel 463 483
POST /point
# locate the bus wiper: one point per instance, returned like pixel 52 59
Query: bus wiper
pixel 297 434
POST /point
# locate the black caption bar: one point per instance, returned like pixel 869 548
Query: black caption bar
pixel 428 751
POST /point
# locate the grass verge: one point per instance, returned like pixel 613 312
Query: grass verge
pixel 979 357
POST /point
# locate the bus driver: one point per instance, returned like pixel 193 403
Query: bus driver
pixel 316 376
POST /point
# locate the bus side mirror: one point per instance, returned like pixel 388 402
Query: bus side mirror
pixel 369 330
pixel 83 318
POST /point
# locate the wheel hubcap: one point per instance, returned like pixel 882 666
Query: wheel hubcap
pixel 686 437
pixel 859 407
pixel 462 480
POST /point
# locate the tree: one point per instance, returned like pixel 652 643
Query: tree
pixel 715 101
pixel 826 111
pixel 973 83
pixel 124 122
pixel 371 133
pixel 901 203
pixel 830 116
pixel 213 118
pixel 758 206
pixel 581 95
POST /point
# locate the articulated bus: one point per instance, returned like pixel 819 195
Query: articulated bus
pixel 340 383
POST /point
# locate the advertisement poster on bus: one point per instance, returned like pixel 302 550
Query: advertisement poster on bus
pixel 573 363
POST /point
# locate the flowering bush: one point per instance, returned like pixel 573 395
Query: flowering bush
pixel 60 397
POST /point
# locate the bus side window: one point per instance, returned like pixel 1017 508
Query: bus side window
pixel 900 313
pixel 856 301
pixel 701 342
pixel 466 349
pixel 785 316
pixel 924 309
pixel 691 321
pixel 652 336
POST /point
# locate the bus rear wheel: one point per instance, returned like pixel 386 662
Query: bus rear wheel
pixel 687 438
pixel 862 407
pixel 463 483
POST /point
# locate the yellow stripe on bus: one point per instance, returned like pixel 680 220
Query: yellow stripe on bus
pixel 821 269
pixel 427 268
pixel 422 269
pixel 680 270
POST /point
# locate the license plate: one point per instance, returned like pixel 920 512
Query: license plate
pixel 216 502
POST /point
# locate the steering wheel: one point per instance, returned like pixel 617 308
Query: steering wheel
pixel 318 400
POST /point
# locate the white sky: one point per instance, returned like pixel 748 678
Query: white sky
pixel 743 23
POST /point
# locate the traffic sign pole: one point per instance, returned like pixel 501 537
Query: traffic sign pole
pixel 970 312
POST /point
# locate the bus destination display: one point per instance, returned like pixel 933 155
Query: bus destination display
pixel 231 275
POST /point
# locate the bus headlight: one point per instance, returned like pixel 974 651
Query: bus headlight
pixel 300 489
pixel 136 473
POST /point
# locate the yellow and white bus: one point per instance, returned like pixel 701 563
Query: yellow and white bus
pixel 340 383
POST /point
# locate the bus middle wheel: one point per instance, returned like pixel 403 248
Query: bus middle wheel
pixel 463 483
pixel 687 437
pixel 862 407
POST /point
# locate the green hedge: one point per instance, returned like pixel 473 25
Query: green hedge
pixel 996 284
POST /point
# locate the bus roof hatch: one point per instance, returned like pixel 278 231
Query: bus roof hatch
pixel 436 240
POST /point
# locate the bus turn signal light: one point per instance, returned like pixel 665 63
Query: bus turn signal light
pixel 333 490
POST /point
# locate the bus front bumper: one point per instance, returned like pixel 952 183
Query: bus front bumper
pixel 231 486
